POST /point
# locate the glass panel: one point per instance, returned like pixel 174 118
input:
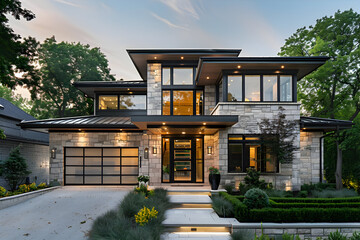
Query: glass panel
pixel 270 87
pixel 111 152
pixel 183 76
pixel 93 152
pixel 252 88
pixel 92 179
pixel 111 170
pixel 199 160
pixel 235 158
pixel 182 143
pixel 182 176
pixel 92 161
pixel 92 170
pixel 183 102
pixel 166 76
pixel 179 154
pixel 252 138
pixel 74 179
pixel 132 152
pixel 111 161
pixel 111 179
pixel 129 179
pixel 74 170
pixel 130 170
pixel 234 88
pixel 286 88
pixel 199 103
pixel 182 165
pixel 74 151
pixel 254 156
pixel 166 103
pixel 166 159
pixel 133 102
pixel 74 161
pixel 235 137
pixel 108 102
pixel 130 161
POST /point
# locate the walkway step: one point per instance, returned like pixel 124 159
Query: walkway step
pixel 196 236
pixel 183 191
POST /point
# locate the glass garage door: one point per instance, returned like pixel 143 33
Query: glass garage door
pixel 96 166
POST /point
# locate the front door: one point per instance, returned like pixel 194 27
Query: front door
pixel 183 159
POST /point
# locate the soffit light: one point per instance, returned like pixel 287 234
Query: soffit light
pixel 181 57
pixel 282 66
pixel 163 123
pixel 183 132
pixel 155 57
pixel 207 77
pixel 238 66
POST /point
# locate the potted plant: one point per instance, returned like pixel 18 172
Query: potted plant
pixel 214 178
pixel 142 179
pixel 166 172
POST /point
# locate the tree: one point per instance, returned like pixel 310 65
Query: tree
pixel 16 99
pixel 14 169
pixel 15 54
pixel 61 64
pixel 2 134
pixel 278 137
pixel 334 89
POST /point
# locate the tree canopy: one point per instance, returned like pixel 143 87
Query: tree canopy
pixel 16 99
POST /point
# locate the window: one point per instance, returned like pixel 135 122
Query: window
pixel 199 102
pixel 234 88
pixel 108 102
pixel 252 88
pixel 181 102
pixel 270 87
pixel 166 76
pixel 183 76
pixel 249 152
pixel 166 103
pixel 286 88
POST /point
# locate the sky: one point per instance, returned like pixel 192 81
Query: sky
pixel 258 27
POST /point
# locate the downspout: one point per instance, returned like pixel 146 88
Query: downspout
pixel 321 155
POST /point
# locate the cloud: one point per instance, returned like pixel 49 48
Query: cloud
pixel 167 22
pixel 69 3
pixel 182 7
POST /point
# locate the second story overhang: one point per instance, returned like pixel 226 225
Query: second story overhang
pixel 140 57
pixel 211 69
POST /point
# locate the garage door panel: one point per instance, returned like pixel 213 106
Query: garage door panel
pixel 129 170
pixel 111 179
pixel 92 179
pixel 74 151
pixel 111 152
pixel 74 179
pixel 93 161
pixel 111 170
pixel 93 151
pixel 111 160
pixel 74 161
pixel 130 152
pixel 129 179
pixel 74 170
pixel 93 170
pixel 130 161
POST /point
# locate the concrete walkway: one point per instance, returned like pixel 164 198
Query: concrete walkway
pixel 65 213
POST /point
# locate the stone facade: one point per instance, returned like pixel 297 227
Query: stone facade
pixel 154 89
pixel 210 99
pixel 36 156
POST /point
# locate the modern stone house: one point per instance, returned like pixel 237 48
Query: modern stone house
pixel 193 108
pixel 34 145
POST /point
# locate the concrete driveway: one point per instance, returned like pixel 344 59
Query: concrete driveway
pixel 65 213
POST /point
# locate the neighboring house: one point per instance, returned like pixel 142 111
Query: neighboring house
pixel 34 144
pixel 192 109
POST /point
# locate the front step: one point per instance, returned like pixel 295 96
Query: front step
pixel 174 191
pixel 200 228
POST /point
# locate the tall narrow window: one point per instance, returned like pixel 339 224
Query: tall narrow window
pixel 252 88
pixel 166 76
pixel 108 102
pixel 270 87
pixel 166 103
pixel 234 88
pixel 183 102
pixel 285 88
pixel 166 159
pixel 199 103
pixel 183 76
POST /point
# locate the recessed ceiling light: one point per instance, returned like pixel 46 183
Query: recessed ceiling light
pixel 282 66
pixel 204 123
pixel 182 57
pixel 155 57
pixel 128 89
pixel 167 132
pixel 199 132
pixel 238 66
pixel 183 132
pixel 207 77
pixel 163 123
pixel 79 129
pixel 236 71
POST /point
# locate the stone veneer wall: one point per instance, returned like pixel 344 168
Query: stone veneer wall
pixel 210 99
pixel 310 157
pixel 151 166
pixel 249 116
pixel 154 89
pixel 36 156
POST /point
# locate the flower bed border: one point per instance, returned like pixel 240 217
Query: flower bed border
pixel 19 198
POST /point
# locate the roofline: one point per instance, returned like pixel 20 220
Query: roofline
pixel 330 119
pixel 63 118
pixel 78 126
pixel 183 51
pixel 109 84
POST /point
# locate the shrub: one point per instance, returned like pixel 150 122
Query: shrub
pixel 287 236
pixel 145 215
pixel 334 193
pixel 24 188
pixel 318 186
pixel 143 178
pixel 33 187
pixel 2 192
pixel 243 188
pixel 222 207
pixel 316 200
pixel 256 198
pixel 242 234
pixel 252 179
pixel 143 189
pixel 42 185
pixel 315 205
pixel 336 236
pixel 131 204
pixel 229 188
pixel 355 236
pixel 275 193
pixel 303 194
pixel 54 183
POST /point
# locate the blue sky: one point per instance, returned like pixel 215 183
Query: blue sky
pixel 259 27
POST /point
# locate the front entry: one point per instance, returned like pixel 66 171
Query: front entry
pixel 182 160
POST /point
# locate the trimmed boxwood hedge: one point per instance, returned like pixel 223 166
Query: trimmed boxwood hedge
pixel 316 200
pixel 320 211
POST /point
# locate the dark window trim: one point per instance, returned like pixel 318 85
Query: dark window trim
pixel 172 86
pixel 118 94
pixel 172 102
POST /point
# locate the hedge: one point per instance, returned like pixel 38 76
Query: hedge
pixel 304 214
pixel 315 205
pixel 315 200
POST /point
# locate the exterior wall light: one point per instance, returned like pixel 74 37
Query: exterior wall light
pixel 53 153
pixel 209 150
pixel 146 153
pixel 154 150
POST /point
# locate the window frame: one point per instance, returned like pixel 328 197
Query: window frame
pixel 172 101
pixel 118 94
pixel 244 142
pixel 171 85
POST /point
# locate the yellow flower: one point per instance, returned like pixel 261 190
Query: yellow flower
pixel 145 215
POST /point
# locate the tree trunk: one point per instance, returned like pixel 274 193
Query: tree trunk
pixel 338 172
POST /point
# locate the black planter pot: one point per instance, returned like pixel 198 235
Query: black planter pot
pixel 214 180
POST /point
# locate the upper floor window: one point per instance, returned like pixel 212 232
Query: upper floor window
pixel 177 76
pixel 255 88
pixel 122 102
pixel 182 102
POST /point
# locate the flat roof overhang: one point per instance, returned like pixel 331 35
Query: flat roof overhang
pixel 140 57
pixel 90 87
pixel 314 124
pixel 210 70
pixel 208 124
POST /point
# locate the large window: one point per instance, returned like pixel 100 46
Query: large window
pixel 285 88
pixel 177 76
pixel 234 88
pixel 248 152
pixel 122 102
pixel 252 88
pixel 182 102
pixel 270 87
